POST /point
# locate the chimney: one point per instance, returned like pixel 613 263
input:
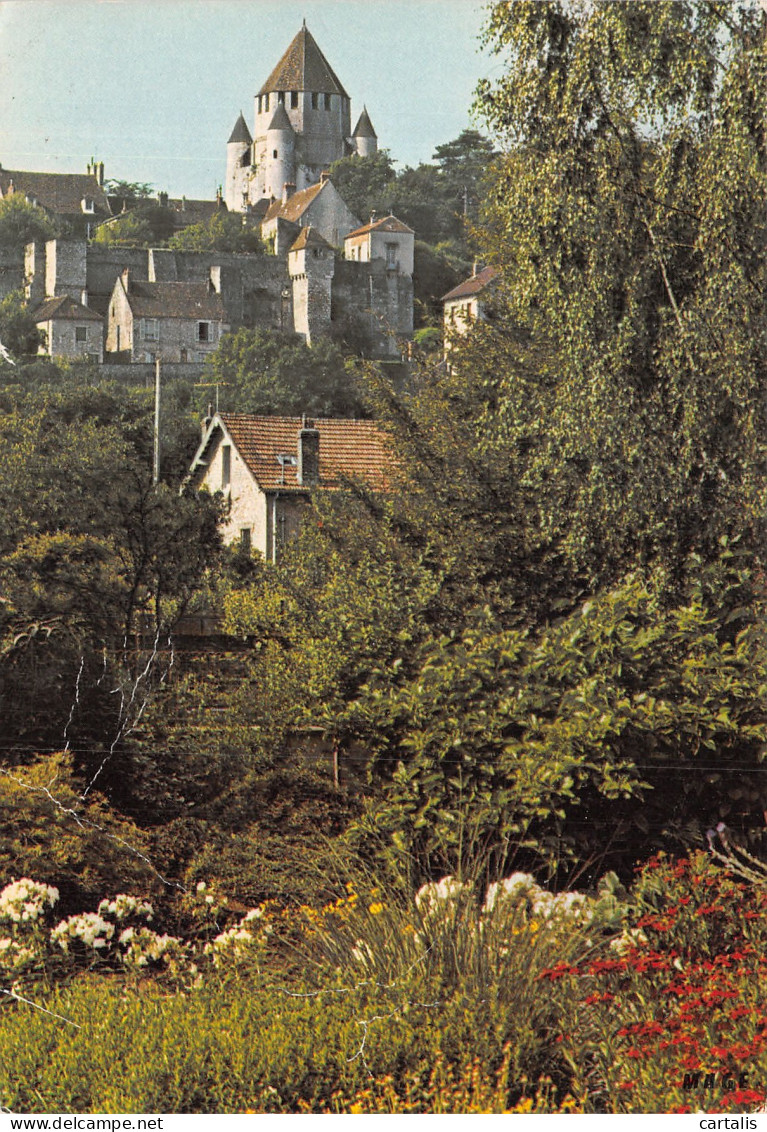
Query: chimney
pixel 183 204
pixel 308 469
pixel 162 200
pixel 101 173
pixel 287 191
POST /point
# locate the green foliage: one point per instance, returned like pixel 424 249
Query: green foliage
pixel 623 215
pixel 147 224
pixel 265 372
pixel 18 331
pixel 364 182
pixel 223 232
pixel 512 742
pixel 51 833
pixel 22 222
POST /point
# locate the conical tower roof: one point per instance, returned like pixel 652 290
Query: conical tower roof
pixel 280 120
pixel 364 127
pixel 304 67
pixel 241 133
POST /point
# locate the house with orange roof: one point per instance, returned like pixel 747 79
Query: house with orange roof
pixel 268 467
pixel 387 239
pixel 468 302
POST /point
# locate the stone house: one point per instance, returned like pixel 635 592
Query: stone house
pixel 77 199
pixel 321 207
pixel 172 322
pixel 72 330
pixel 387 239
pixel 267 467
pixel 469 301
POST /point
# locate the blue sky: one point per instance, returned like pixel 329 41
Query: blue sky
pixel 154 88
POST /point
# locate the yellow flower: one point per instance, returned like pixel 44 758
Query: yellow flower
pixel 376 909
pixel 534 926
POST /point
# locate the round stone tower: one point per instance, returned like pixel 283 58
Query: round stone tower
pixel 238 162
pixel 280 165
pixel 364 136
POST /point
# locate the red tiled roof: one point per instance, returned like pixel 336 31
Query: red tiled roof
pixel 349 449
pixel 64 306
pixel 61 193
pixel 174 300
pixel 303 67
pixel 472 286
pixel 387 224
pixel 295 206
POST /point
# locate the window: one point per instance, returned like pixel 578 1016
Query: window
pixel 391 255
pixel 261 103
pixel 274 153
pixel 245 540
pixel 81 334
pixel 203 332
pixel 226 465
pixel 315 101
pixel 294 100
pixel 327 101
pixel 150 329
pixel 281 97
pixel 88 205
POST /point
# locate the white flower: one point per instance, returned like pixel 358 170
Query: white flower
pixel 512 889
pixel 430 897
pixel 124 906
pixel 145 946
pixel 253 914
pixel 201 886
pixel 25 900
pixel 88 927
pixel 632 937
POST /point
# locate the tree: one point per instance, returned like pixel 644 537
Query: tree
pixel 263 371
pixel 364 182
pixel 22 222
pixel 147 223
pixel 623 214
pixel 18 330
pixel 223 232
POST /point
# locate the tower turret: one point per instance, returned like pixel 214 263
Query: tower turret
pixel 238 162
pixel 280 154
pixel 364 136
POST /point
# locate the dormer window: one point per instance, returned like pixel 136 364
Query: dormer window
pixel 88 204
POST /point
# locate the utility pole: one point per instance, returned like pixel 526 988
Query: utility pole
pixel 156 464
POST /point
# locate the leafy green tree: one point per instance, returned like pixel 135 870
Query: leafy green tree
pixel 22 222
pixel 18 330
pixel 465 163
pixel 364 183
pixel 147 223
pixel 223 232
pixel 263 371
pixel 623 215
